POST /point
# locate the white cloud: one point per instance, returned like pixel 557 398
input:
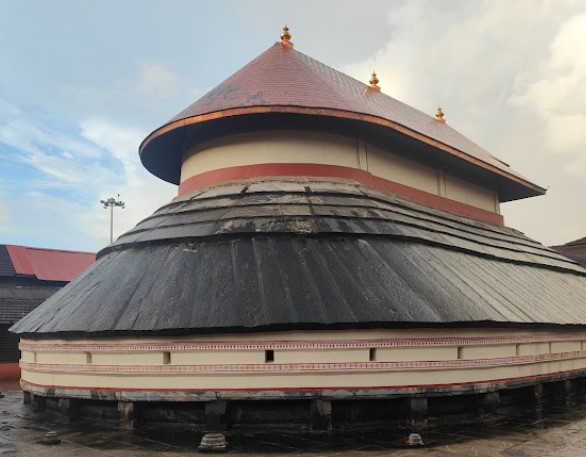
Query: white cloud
pixel 63 176
pixel 511 77
pixel 557 95
pixel 5 214
pixel 141 192
pixel 157 81
pixel 509 74
pixel 120 142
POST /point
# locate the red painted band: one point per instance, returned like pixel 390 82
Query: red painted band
pixel 318 170
pixel 9 371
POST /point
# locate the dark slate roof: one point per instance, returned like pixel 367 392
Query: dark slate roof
pixel 299 254
pixel 575 250
pixel 16 301
pixel 6 266
pixel 283 82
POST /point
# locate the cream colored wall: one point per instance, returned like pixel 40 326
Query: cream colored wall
pixel 271 147
pixel 465 192
pixel 207 357
pixel 135 358
pixel 487 352
pixel 533 348
pixel 328 149
pixel 566 346
pixel 323 379
pixel 416 354
pixel 394 168
pixel 367 358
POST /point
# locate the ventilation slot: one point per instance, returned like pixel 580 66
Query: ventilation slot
pixel 269 356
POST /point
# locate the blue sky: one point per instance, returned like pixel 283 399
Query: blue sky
pixel 82 83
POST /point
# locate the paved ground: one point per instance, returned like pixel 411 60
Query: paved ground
pixel 557 431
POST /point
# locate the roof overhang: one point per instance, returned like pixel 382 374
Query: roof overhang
pixel 163 150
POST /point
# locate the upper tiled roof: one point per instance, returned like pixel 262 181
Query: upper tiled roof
pixel 43 264
pixel 285 80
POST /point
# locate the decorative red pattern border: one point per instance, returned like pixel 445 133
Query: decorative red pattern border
pixel 320 170
pixel 309 344
pixel 300 367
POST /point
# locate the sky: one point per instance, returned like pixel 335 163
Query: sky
pixel 82 83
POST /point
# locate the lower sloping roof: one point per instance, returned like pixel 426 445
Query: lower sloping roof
pixel 296 255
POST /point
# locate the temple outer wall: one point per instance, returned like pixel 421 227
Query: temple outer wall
pixel 365 363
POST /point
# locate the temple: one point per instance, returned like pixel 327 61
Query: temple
pixel 329 246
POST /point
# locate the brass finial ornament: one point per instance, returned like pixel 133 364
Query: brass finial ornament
pixel 373 79
pixel 286 38
pixel 439 114
pixel 374 82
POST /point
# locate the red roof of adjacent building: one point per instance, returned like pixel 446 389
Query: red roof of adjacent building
pixel 48 264
pixel 283 80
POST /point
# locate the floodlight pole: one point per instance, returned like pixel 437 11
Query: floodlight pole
pixel 112 202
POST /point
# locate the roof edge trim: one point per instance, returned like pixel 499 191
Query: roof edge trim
pixel 329 112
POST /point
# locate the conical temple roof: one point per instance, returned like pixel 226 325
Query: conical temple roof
pixel 283 84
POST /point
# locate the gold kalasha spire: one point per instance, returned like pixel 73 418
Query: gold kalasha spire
pixel 373 82
pixel 286 37
pixel 439 114
pixel 373 79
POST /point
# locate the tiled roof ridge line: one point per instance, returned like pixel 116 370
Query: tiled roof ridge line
pixel 544 251
pixel 227 236
pixel 403 202
pixel 427 213
pixel 46 249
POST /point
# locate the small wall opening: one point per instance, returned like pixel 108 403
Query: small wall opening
pixel 372 354
pixel 460 352
pixel 88 357
pixel 269 355
pixel 166 358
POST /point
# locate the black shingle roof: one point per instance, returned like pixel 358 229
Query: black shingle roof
pixel 296 254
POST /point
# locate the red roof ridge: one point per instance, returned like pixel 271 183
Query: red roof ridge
pixel 48 249
pixel 49 264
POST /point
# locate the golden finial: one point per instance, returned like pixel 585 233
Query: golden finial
pixel 439 114
pixel 373 79
pixel 374 82
pixel 286 37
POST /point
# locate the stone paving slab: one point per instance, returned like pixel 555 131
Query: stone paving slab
pixel 558 431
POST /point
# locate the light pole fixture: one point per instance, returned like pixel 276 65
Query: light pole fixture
pixel 111 203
